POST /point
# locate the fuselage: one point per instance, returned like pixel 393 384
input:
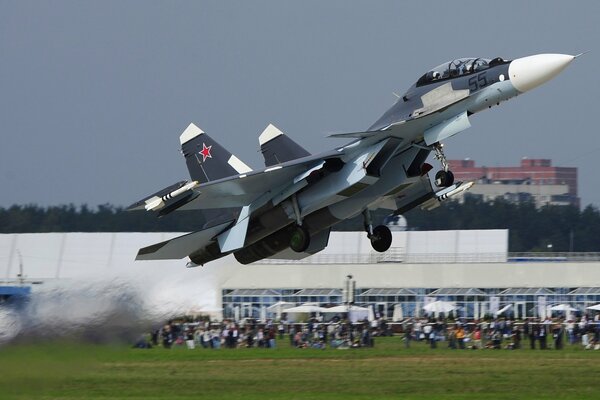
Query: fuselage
pixel 432 106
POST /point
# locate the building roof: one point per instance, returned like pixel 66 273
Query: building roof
pixel 526 292
pixel 388 292
pixel 319 292
pixel 254 292
pixel 457 292
pixel 592 291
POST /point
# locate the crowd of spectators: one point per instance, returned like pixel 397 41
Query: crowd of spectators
pixel 249 333
pixel 504 333
pixel 456 334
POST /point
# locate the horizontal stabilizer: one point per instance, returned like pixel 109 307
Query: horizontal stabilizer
pixel 356 135
pixel 278 148
pixel 182 246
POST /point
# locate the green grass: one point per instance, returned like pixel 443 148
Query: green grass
pixel 388 371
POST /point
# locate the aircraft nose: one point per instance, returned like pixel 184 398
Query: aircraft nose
pixel 529 72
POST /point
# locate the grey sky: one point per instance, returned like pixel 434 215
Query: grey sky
pixel 94 95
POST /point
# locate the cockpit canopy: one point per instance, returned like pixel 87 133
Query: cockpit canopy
pixel 458 67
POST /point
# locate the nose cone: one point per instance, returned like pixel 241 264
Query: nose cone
pixel 529 72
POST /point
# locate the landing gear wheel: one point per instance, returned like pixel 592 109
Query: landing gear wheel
pixel 300 239
pixel 381 240
pixel 444 178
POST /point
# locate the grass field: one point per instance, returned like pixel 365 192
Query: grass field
pixel 387 371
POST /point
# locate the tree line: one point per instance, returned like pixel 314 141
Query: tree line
pixel 550 228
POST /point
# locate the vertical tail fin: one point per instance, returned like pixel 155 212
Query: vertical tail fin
pixel 206 159
pixel 278 148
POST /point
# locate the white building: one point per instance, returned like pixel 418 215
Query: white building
pixel 472 268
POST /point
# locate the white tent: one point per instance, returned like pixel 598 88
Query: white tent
pixel 439 307
pixel 305 308
pixel 562 307
pixel 279 307
pixel 343 309
pixel 263 314
pixel 504 309
pixel 594 307
pixel 355 313
pixel 398 314
pixel 371 313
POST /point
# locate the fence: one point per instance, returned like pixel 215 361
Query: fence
pixel 399 255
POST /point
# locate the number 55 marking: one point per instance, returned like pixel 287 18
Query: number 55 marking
pixel 477 82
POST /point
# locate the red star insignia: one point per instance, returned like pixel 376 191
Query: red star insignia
pixel 205 152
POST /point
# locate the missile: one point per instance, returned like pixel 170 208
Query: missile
pixel 156 203
pixel 445 194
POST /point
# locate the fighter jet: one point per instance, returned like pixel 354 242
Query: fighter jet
pixel 287 209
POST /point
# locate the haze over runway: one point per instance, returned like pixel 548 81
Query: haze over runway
pixel 94 96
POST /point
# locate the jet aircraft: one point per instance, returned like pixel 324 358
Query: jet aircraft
pixel 287 209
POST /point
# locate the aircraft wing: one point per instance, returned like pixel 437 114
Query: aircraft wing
pixel 181 246
pixel 241 190
pixel 418 193
pixel 437 119
pixel 406 197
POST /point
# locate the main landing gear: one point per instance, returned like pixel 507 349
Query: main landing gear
pixel 380 236
pixel 445 177
pixel 300 239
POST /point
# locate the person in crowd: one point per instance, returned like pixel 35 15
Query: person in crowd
pixel 460 337
pixel 206 339
pixel 167 336
pixel 557 334
pixel 154 337
pixel 260 338
pixel 215 339
pixel 496 339
pixel 189 339
pixel 542 336
pixel 534 333
pixel 452 338
pixel 516 336
pixel 418 333
pixel 271 337
pixel 281 330
pixel 477 338
pixel 407 336
pixel 432 339
pixel 426 329
pixel 292 334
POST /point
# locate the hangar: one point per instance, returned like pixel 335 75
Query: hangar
pixel 471 268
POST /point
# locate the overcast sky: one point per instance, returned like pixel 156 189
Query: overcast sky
pixel 94 95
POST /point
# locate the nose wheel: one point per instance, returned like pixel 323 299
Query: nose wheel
pixel 445 177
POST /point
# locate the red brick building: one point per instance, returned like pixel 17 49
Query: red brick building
pixel 534 179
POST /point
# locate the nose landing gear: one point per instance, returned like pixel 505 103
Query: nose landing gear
pixel 444 177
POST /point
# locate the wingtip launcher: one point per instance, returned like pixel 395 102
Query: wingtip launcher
pixel 157 203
